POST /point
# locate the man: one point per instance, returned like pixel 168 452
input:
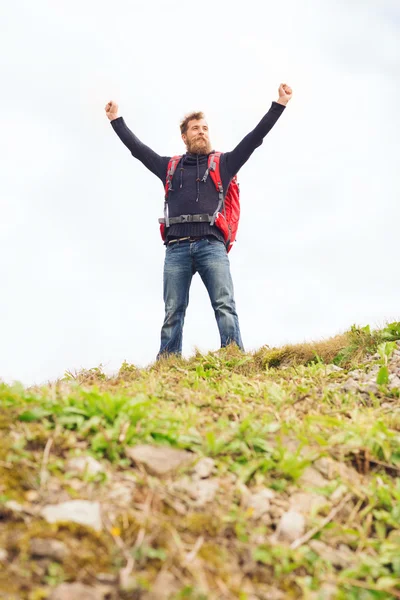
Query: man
pixel 197 246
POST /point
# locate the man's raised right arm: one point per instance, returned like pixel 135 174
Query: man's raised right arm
pixel 154 162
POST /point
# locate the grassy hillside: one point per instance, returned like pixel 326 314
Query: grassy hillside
pixel 271 475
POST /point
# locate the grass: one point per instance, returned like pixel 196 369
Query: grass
pixel 267 419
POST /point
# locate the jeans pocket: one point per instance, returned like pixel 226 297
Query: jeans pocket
pixel 214 240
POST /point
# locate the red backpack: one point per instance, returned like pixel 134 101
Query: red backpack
pixel 227 214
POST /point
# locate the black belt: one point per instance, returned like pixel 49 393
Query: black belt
pixel 192 238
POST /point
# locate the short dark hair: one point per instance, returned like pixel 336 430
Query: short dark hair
pixel 194 116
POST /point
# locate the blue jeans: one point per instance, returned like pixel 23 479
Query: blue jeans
pixel 183 259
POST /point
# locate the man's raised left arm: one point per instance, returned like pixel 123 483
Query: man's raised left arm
pixel 237 157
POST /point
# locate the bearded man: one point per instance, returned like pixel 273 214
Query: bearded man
pixel 197 246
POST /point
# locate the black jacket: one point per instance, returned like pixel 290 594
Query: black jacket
pixel 187 198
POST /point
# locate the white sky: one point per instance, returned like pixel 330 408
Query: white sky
pixel 81 256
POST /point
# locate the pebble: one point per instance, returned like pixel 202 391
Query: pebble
pixel 291 526
pixel 204 467
pixel 76 511
pixel 259 503
pixel 159 460
pixel 84 464
pixel 48 548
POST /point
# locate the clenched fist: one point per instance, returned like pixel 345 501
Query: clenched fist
pixel 285 94
pixel 112 110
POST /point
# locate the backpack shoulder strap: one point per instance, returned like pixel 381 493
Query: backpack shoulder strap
pixel 214 170
pixel 173 163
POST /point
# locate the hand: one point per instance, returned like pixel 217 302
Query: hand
pixel 112 110
pixel 285 94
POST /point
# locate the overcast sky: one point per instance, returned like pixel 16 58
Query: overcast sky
pixel 81 257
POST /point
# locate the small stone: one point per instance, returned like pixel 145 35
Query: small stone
pixel 307 503
pixel 73 591
pixel 48 548
pixel 199 491
pixel 77 511
pixel 371 387
pixel 327 467
pixel 3 555
pixel 259 503
pixel 332 369
pixel 14 506
pixel 158 460
pixel 122 494
pixel 357 374
pixel 204 467
pixel 76 484
pixel 312 478
pixel 394 381
pixel 350 385
pixel 291 526
pixel 85 465
pixel 340 558
pixel 32 496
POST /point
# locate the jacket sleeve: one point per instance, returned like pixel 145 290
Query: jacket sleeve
pixel 237 157
pixel 154 162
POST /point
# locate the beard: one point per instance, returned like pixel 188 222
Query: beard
pixel 198 145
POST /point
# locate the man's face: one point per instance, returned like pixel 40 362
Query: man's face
pixel 196 137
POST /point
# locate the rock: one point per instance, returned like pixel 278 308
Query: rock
pixel 76 484
pixel 312 478
pixel 327 467
pixel 158 460
pixel 394 381
pixel 341 557
pixel 259 503
pixel 371 387
pixel 307 503
pixel 350 385
pixel 3 555
pixel 85 465
pixel 165 586
pixel 291 526
pixel 121 494
pixel 77 511
pixel 332 369
pixel 73 591
pixel 14 506
pixel 204 467
pixel 199 491
pixel 330 468
pixel 19 509
pixel 32 496
pixel 48 548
